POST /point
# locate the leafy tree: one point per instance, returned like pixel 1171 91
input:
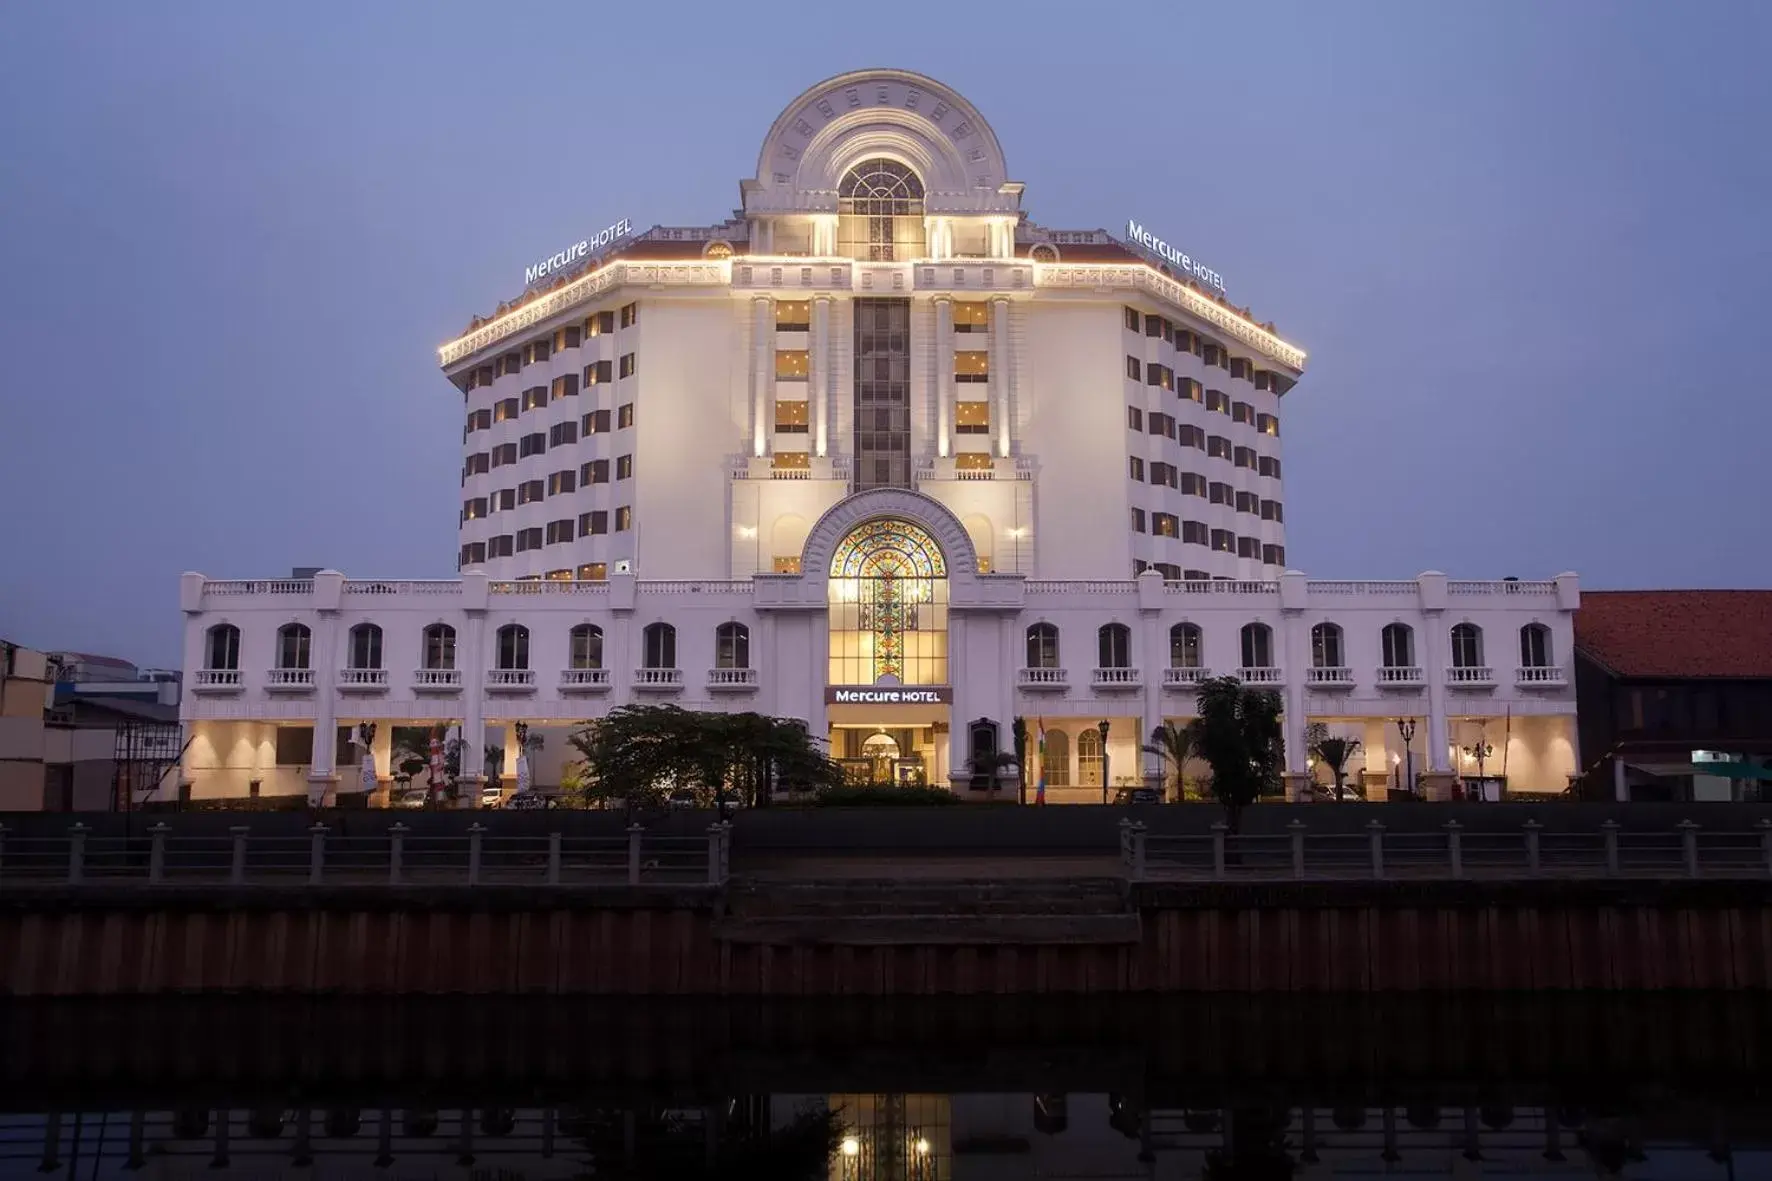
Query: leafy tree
pixel 1175 745
pixel 1237 732
pixel 1333 752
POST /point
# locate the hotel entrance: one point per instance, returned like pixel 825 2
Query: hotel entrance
pixel 891 741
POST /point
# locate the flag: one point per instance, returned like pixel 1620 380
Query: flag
pixel 1040 789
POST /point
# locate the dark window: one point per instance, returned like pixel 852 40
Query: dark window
pixel 626 366
pixel 1042 646
pixel 1248 547
pixel 1535 646
pixel 563 433
pixel 587 646
pixel 500 547
pixel 594 472
pixel 1326 646
pixel 293 640
pixel 559 532
pixel 1224 541
pixel 1218 493
pixel 1132 368
pixel 535 397
pixel 534 444
pixel 1273 555
pixel 1136 469
pixel 624 416
pixel 365 646
pixel 659 646
pixel 530 491
pixel 1258 646
pixel 732 646
pixel 1467 646
pixel 1194 532
pixel 439 646
pixel 1134 418
pixel 1138 520
pixel 513 647
pixel 599 373
pixel 1115 643
pixel 1248 502
pixel 503 454
pixel 594 423
pixel 624 467
pixel 472 554
pixel 592 523
pixel 1184 646
pixel 559 482
pixel 630 314
pixel 1164 524
pixel 1218 447
pixel 222 652
pixel 565 386
pixel 1398 645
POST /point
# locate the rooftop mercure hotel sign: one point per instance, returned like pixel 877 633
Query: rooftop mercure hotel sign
pixel 578 251
pixel 1191 267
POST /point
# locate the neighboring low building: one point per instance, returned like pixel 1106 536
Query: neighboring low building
pixel 1674 693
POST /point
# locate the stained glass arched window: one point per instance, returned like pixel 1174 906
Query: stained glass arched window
pixel 888 607
pixel 880 212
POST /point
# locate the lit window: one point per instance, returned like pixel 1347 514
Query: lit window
pixel 972 418
pixel 793 315
pixel 798 461
pixel 972 317
pixel 791 417
pixel 972 461
pixel 791 364
pixel 789 565
pixel 624 467
pixel 972 365
pixel 624 416
pixel 593 572
pixel 732 646
pixel 624 518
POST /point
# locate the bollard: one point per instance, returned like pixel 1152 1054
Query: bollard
pixel 237 869
pixel 714 853
pixel 1689 846
pixel 1376 831
pixel 476 833
pixel 157 851
pixel 396 851
pixel 76 853
pixel 634 831
pixel 1609 834
pixel 1455 847
pixel 1296 828
pixel 1765 827
pixel 1138 831
pixel 1532 830
pixel 553 859
pixel 1219 828
pixel 316 854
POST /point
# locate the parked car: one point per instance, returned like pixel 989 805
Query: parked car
pixel 490 796
pixel 683 797
pixel 527 801
pixel 1138 795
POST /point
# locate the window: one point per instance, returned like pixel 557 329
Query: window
pixel 659 646
pixel 505 409
pixel 1159 375
pixel 1326 646
pixel 292 645
pixel 563 433
pixel 221 650
pixel 1192 436
pixel 1219 401
pixel 536 350
pixel 732 646
pixel 473 508
pixel 598 373
pixel 1184 646
pixel 1169 570
pixel 1273 555
pixel 477 465
pixel 503 500
pixel 559 532
pixel 1134 419
pixel 626 366
pixel 594 423
pixel 535 397
pixel 1243 412
pixel 1268 424
pixel 500 547
pixel 630 314
pixel 791 417
pixel 1248 502
pixel 880 212
pixel 586 646
pixel 439 646
pixel 1089 761
pixel 1153 326
pixel 972 365
pixel 1189 389
pixel 972 418
pixel 1194 532
pixel 1224 541
pixel 1245 457
pixel 365 646
pixel 788 564
pixel 1138 520
pixel 624 416
pixel 1240 368
pixel 600 324
pixel 790 364
pixel 295 746
pixel 472 554
pixel 1218 447
pixel 594 472
pixel 513 647
pixel 510 363
pixel 1398 644
pixel 624 519
pixel 972 316
pixel 1218 493
pixel 1136 469
pixel 793 315
pixel 568 337
pixel 480 420
pixel 1467 646
pixel 592 523
pixel 1214 354
pixel 1258 646
pixel 593 572
pixel 530 491
pixel 1043 646
pixel 1132 319
pixel 1248 547
pixel 1133 369
pixel 529 539
pixel 1163 474
pixel 1193 484
pixel 791 461
pixel 1271 511
pixel 624 467
pixel 559 482
pixel 1267 465
pixel 1115 646
pixel 1161 424
pixel 534 444
pixel 504 454
pixel 1165 524
pixel 1535 646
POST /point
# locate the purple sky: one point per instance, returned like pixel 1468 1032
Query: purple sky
pixel 1524 244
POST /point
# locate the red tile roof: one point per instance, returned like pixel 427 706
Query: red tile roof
pixel 1678 633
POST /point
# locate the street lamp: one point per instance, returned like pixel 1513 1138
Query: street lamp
pixel 1102 728
pixel 1406 728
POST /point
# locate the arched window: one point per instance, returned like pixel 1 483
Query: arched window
pixel 1043 646
pixel 293 640
pixel 1056 763
pixel 1184 646
pixel 1467 645
pixel 1258 646
pixel 1116 646
pixel 880 212
pixel 1399 645
pixel 221 648
pixel 365 646
pixel 659 646
pixel 1089 760
pixel 439 646
pixel 732 646
pixel 513 647
pixel 1535 646
pixel 1326 646
pixel 888 595
pixel 587 646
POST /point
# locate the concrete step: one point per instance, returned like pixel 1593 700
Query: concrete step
pixel 928 930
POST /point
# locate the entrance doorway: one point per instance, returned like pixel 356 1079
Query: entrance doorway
pixel 903 746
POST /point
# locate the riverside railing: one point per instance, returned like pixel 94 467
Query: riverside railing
pixel 394 857
pixel 1373 854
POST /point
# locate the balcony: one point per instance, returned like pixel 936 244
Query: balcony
pixel 290 680
pixel 216 680
pixel 1043 680
pixel 732 680
pixel 510 680
pixel 658 680
pixel 584 680
pixel 1117 680
pixel 436 680
pixel 1261 676
pixel 1329 677
pixel 362 680
pixel 1470 676
pixel 1185 678
pixel 1400 676
pixel 1540 676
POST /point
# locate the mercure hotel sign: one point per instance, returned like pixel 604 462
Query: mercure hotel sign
pixel 1193 268
pixel 882 695
pixel 579 251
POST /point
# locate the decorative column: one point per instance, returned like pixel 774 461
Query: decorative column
pixel 944 376
pixel 1436 782
pixel 762 372
pixel 1293 650
pixel 471 654
pixel 999 370
pixel 323 658
pixel 818 375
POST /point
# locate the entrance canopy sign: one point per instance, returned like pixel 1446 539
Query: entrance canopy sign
pixel 883 695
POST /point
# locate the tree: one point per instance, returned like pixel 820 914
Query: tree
pixel 995 764
pixel 1237 732
pixel 1333 752
pixel 1019 733
pixel 1175 745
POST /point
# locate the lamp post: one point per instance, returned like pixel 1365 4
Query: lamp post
pixel 1406 728
pixel 1102 728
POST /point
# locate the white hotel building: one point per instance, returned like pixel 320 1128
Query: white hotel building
pixel 882 453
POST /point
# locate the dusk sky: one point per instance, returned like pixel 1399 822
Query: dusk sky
pixel 1525 244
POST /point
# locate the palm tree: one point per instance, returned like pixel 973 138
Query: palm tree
pixel 1333 752
pixel 994 763
pixel 1237 732
pixel 1175 745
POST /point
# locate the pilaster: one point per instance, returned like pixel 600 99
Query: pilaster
pixel 999 371
pixel 944 376
pixel 762 373
pixel 818 375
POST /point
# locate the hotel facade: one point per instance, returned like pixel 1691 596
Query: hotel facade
pixel 884 454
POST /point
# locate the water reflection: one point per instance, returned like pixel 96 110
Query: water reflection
pixel 1081 1088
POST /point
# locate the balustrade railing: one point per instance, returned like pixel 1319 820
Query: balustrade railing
pixel 1331 677
pixel 510 678
pixel 1117 678
pixel 1543 676
pixel 658 678
pixel 1185 677
pixel 362 678
pixel 216 678
pixel 1474 674
pixel 1261 676
pixel 732 678
pixel 289 678
pixel 1407 676
pixel 1043 678
pixel 436 678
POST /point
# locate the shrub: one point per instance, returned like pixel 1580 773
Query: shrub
pixel 884 795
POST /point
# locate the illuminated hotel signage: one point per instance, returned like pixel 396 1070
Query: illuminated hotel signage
pixel 1191 267
pixel 578 251
pixel 878 695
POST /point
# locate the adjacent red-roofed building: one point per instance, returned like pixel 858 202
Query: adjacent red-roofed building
pixel 1674 693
